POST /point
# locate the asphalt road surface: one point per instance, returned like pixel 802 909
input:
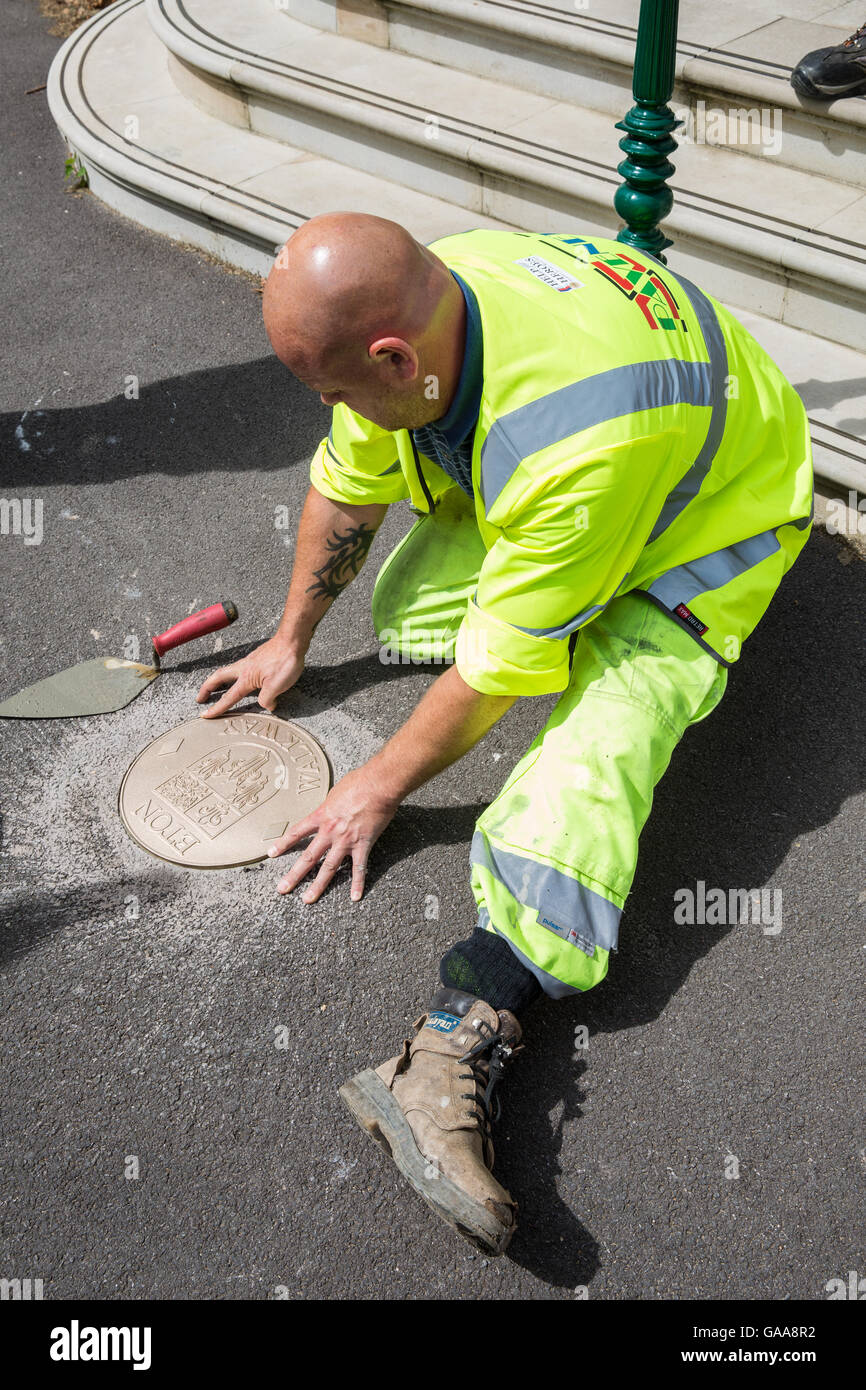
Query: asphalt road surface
pixel 707 1143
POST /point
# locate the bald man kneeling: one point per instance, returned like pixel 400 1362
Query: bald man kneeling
pixel 553 408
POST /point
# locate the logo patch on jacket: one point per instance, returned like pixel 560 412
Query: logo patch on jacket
pixel 639 283
pixel 442 1022
pixel 688 617
pixel 549 274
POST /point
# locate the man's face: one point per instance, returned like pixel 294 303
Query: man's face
pixel 373 389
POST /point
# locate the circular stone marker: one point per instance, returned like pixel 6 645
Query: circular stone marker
pixel 217 793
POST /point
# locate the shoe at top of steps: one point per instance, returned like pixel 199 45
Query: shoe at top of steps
pixel 733 64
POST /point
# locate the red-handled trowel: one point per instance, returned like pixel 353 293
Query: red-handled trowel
pixel 106 683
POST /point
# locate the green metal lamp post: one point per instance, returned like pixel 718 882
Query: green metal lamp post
pixel 645 200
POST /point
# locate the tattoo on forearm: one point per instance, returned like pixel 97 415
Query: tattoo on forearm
pixel 348 553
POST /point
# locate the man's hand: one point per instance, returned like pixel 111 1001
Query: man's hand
pixel 448 721
pixel 346 825
pixel 333 540
pixel 270 669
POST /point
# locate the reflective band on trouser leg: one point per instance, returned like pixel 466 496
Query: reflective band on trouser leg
pixel 421 590
pixel 554 856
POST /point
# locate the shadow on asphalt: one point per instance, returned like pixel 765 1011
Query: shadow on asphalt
pixel 251 410
pixel 551 1241
pixel 27 919
pixel 319 688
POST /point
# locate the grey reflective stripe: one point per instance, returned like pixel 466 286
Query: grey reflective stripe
pixel 689 486
pixel 553 987
pixel 685 582
pixel 582 404
pixel 574 623
pixel 564 904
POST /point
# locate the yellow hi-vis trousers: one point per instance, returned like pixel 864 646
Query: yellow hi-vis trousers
pixel 554 856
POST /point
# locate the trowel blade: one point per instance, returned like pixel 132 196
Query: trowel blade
pixel 97 686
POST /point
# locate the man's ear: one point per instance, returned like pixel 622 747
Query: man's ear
pixel 400 356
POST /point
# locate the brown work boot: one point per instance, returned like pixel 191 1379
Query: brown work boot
pixel 429 1109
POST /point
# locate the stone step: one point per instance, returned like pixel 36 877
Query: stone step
pixel 156 157
pixel 831 382
pixel 732 72
pixel 785 243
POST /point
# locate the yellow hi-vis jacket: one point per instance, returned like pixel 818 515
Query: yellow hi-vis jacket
pixel 632 435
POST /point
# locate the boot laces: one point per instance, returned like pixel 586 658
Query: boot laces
pixel 855 38
pixel 487 1062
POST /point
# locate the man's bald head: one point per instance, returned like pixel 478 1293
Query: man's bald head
pixel 362 312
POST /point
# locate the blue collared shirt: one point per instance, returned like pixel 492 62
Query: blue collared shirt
pixel 449 440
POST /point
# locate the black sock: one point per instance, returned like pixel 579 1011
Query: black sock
pixel 486 966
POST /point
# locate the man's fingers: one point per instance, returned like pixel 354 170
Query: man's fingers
pixel 297 832
pixel 359 875
pixel 303 864
pixel 231 697
pixel 224 676
pixel 332 858
pixel 268 697
pixel 331 864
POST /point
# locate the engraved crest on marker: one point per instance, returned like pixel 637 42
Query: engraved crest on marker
pixel 218 789
pixel 195 794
